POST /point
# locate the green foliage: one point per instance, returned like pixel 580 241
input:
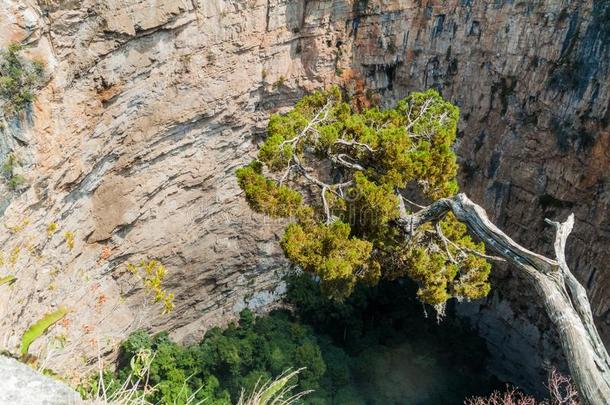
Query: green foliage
pixel 357 162
pixel 69 238
pixel 309 357
pixel 52 228
pixel 7 280
pixel 438 272
pixel 265 195
pixel 19 79
pixel 349 350
pixel 40 327
pixel 152 274
pixel 226 360
pixel 329 251
pixel 375 204
pixel 13 180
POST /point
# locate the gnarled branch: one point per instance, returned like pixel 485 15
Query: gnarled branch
pixel 354 143
pixel 570 312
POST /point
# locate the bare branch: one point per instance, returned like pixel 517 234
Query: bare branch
pixel 571 316
pixel 326 206
pixel 483 255
pixel 401 204
pixel 439 232
pixel 320 117
pixel 411 202
pixel 578 294
pixel 466 250
pixel 340 160
pixel 422 111
pixel 286 173
pixel 354 143
pixel 331 187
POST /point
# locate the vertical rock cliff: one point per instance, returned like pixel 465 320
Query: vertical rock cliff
pixel 150 105
pixel 531 79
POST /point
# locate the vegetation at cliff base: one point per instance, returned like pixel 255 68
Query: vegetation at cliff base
pixel 376 347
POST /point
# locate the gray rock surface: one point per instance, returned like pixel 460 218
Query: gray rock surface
pixel 21 385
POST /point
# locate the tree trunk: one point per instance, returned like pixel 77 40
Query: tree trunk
pixel 563 297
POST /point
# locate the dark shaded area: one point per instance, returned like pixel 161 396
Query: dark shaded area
pixel 583 59
pixel 567 136
pixel 377 347
pixel 397 351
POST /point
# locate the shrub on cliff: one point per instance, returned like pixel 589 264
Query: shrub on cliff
pixel 348 235
pixel 19 79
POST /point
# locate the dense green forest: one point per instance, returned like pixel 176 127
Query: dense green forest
pixel 377 347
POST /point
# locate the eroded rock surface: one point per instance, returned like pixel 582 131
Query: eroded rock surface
pixel 19 384
pixel 151 106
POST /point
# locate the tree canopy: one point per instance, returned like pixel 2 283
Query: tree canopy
pixel 343 175
pixel 346 348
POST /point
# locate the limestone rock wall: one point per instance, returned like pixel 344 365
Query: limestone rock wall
pixel 132 147
pixel 151 105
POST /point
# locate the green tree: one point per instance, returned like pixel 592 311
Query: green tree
pixel 346 177
pixel 349 233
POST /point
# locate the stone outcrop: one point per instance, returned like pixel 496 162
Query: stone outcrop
pixel 132 144
pixel 19 384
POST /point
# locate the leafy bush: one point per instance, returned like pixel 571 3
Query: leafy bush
pixel 152 275
pixel 351 232
pixel 341 346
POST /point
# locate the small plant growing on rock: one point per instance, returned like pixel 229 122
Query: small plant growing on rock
pixel 7 280
pixel 52 228
pixel 69 237
pixel 15 229
pixel 19 79
pixel 14 256
pixel 152 274
pixel 10 169
pixel 40 327
pixel 279 82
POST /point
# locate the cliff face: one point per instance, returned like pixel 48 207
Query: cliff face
pixel 531 79
pixel 151 105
